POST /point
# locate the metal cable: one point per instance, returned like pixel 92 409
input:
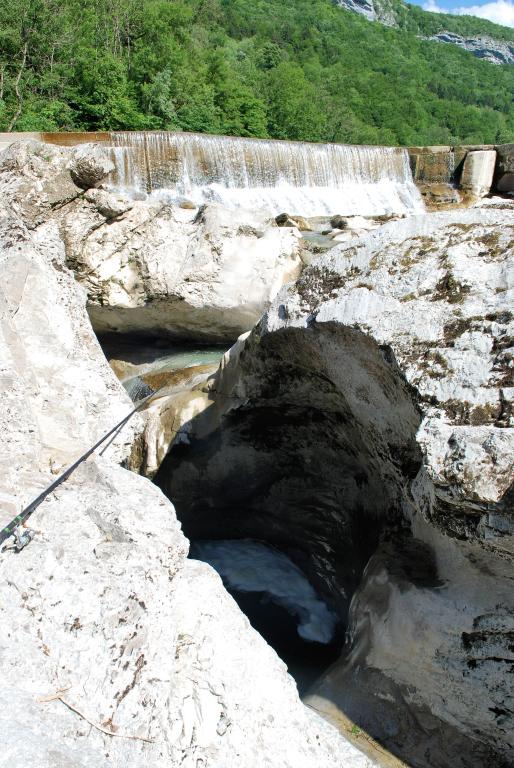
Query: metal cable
pixel 10 528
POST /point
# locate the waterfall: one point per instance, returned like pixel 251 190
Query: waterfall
pixel 297 177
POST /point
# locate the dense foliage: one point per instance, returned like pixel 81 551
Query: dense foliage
pixel 415 19
pixel 296 69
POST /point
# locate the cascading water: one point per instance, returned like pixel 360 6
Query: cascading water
pixel 298 177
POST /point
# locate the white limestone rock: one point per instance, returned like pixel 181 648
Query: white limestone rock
pixel 148 266
pixel 89 165
pixel 374 399
pixel 108 205
pixel 484 47
pixel 102 608
pixel 157 269
pixel 438 292
pixel 169 414
pixel 478 172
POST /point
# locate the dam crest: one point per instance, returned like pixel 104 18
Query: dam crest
pixel 304 178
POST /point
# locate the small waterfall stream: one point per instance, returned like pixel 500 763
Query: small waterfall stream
pixel 298 177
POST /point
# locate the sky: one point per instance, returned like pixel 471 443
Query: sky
pixel 499 11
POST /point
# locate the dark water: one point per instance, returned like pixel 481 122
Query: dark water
pixel 305 660
pixel 280 603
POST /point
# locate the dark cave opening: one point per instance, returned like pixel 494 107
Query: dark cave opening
pixel 294 467
pixel 311 461
pixel 310 451
pixel 309 448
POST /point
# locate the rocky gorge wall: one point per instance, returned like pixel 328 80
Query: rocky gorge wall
pixel 363 427
pixel 116 649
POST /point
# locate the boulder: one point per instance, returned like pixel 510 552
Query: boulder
pixel 339 222
pixel 302 224
pixel 285 220
pixel 187 205
pixel 109 205
pixel 388 217
pixel 154 270
pixel 437 196
pixel 89 165
pixel 478 171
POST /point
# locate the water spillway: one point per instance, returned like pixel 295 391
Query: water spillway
pixel 298 177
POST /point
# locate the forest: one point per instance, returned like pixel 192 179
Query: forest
pixel 286 69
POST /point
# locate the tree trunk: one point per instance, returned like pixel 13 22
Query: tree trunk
pixel 19 98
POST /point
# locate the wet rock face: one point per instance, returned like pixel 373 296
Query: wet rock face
pixel 428 661
pixel 505 170
pixel 369 415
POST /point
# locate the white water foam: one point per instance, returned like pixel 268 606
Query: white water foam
pixel 298 177
pixel 248 566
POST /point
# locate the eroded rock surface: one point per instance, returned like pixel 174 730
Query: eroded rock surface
pixel 158 269
pixel 478 172
pixel 369 416
pixel 116 650
pixel 505 170
pixel 373 10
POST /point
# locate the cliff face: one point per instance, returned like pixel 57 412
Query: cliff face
pixel 374 10
pixel 485 48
